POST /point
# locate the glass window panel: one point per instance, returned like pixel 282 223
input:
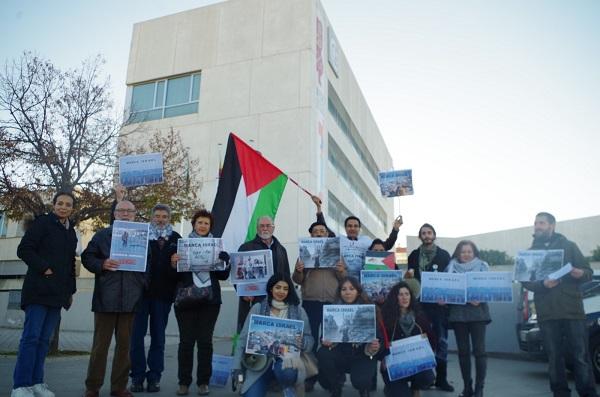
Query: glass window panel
pixel 181 109
pixel 160 94
pixel 148 115
pixel 178 90
pixel 142 97
pixel 196 87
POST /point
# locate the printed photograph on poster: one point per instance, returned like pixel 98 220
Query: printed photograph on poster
pixel 377 260
pixel 221 368
pixel 141 169
pixel 353 252
pixel 409 356
pixel 378 283
pixel 199 254
pixel 536 265
pixel 449 288
pixel 251 266
pixel 274 336
pixel 396 183
pixel 251 289
pixel 129 245
pixel 319 252
pixel 349 323
pixel 489 287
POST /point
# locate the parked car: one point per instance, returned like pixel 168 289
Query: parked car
pixel 528 331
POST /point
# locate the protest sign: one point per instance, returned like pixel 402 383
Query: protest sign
pixel 353 253
pixel 377 260
pixel 129 245
pixel 378 283
pixel 221 368
pixel 443 287
pixel 349 323
pixel 489 287
pixel 396 183
pixel 142 169
pixel 199 254
pixel 251 266
pixel 274 336
pixel 537 265
pixel 409 356
pixel 319 252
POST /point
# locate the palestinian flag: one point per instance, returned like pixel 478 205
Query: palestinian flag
pixel 375 260
pixel 249 187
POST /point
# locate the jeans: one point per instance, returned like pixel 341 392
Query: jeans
pixel 314 311
pixel 285 377
pixel 574 335
pixel 196 327
pixel 476 330
pixel 40 322
pixel 439 325
pixel 157 311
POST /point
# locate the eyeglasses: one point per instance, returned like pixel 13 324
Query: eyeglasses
pixel 265 226
pixel 125 210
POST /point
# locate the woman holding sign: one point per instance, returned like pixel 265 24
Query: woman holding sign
pixel 469 320
pixel 336 359
pixel 402 318
pixel 197 306
pixel 289 372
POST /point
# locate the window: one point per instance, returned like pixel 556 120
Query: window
pixel 14 300
pixel 3 223
pixel 170 97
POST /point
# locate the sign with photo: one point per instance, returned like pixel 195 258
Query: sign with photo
pixel 142 169
pixel 444 287
pixel 489 287
pixel 221 369
pixel 319 252
pixel 349 323
pixel 354 253
pixel 537 265
pixel 129 245
pixel 251 289
pixel 396 183
pixel 251 266
pixel 409 356
pixel 274 336
pixel 378 283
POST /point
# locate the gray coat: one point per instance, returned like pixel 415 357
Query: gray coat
pixel 114 291
pixel 262 308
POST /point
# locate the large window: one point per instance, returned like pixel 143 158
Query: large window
pixel 170 97
pixel 3 223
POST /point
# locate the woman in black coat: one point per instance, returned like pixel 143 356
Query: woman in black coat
pixel 48 249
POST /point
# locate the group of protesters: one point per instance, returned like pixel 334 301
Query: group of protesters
pixel 126 304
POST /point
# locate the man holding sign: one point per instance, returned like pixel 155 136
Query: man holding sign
pixel 559 308
pixel 115 300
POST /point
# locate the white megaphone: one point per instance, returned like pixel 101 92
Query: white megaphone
pixel 255 362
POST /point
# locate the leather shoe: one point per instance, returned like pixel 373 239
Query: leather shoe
pixel 153 387
pixel 121 393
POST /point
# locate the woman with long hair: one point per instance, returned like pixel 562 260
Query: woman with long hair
pixel 197 316
pixel 402 318
pixel 289 372
pixel 336 359
pixel 469 320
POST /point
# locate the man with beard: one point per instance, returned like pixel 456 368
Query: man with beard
pixel 560 313
pixel 431 258
pixel 155 305
pixel 264 240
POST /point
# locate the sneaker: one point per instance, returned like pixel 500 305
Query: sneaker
pixel 203 390
pixel 22 392
pixel 183 390
pixel 153 387
pixel 136 387
pixel 41 390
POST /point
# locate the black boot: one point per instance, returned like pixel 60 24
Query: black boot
pixel 468 390
pixel 478 391
pixel 441 373
pixel 364 393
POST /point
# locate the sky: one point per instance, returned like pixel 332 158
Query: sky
pixel 494 105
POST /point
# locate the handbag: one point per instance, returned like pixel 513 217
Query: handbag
pixel 189 297
pixel 310 364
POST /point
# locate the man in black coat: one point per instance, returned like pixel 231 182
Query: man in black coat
pixel 48 249
pixel 155 306
pixel 264 240
pixel 431 258
pixel 115 300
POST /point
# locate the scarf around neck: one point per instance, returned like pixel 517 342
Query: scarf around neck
pixel 475 265
pixel 407 323
pixel 282 307
pixel 155 232
pixel 201 279
pixel 426 256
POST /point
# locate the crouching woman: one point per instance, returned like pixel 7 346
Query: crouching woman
pixel 282 302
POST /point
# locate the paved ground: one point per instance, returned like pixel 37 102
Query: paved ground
pixel 65 375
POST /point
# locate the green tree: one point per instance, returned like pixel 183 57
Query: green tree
pixel 596 254
pixel 495 257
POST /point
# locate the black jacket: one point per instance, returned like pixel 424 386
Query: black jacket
pixel 185 280
pixel 441 259
pixel 281 264
pixel 114 291
pixel 163 278
pixel 47 244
